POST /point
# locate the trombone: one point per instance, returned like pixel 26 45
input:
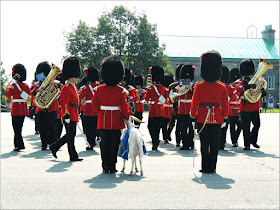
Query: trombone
pixel 15 79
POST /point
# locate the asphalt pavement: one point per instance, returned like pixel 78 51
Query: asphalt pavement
pixel 34 179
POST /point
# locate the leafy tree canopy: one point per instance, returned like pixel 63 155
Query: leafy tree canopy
pixel 119 32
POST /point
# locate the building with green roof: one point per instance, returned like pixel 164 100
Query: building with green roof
pixel 188 49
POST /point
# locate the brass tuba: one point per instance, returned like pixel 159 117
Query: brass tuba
pixel 253 95
pixel 186 85
pixel 45 99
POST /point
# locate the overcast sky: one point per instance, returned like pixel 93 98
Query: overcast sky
pixel 32 31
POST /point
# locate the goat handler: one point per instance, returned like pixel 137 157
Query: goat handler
pixel 210 108
pixel 110 102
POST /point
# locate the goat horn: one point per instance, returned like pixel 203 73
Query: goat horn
pixel 136 119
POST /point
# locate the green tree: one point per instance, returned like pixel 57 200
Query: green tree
pixel 119 32
pixel 3 82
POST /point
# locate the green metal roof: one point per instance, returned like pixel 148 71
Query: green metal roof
pixel 228 47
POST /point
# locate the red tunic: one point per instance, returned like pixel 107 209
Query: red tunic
pixel 110 102
pixel 234 103
pixel 18 108
pixel 86 93
pixel 69 101
pixel 139 103
pixel 210 92
pixel 185 102
pixel 131 94
pixel 155 107
pixel 168 107
pixel 246 106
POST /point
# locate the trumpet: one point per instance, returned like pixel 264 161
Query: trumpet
pixel 15 79
pixel 149 80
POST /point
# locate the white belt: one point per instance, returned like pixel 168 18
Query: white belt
pixel 88 101
pixel 185 100
pixel 19 100
pixel 137 102
pixel 234 102
pixel 167 105
pixel 152 102
pixel 111 108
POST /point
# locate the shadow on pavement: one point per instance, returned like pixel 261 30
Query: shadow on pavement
pixel 33 137
pixel 107 181
pixel 60 167
pixel 88 153
pixel 214 181
pixel 9 154
pixel 40 154
pixel 256 153
pixel 155 153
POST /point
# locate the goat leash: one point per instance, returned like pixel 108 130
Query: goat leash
pixel 196 136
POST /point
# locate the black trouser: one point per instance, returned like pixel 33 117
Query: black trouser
pixel 164 125
pixel 139 115
pixel 246 119
pixel 235 128
pixel 154 124
pixel 109 145
pixel 37 123
pixel 209 141
pixel 185 130
pixel 48 127
pixel 59 128
pixel 17 122
pixel 91 128
pixel 68 138
pixel 171 126
pixel 223 135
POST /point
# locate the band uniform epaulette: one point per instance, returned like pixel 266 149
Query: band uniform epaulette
pixel 149 87
pixel 124 90
pixel 130 88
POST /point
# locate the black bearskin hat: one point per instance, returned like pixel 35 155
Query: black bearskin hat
pixel 139 80
pixel 112 70
pixel 21 70
pixel 127 75
pixel 234 74
pixel 43 67
pixel 225 74
pixel 177 72
pixel 93 74
pixel 71 68
pixel 157 74
pixel 187 72
pixel 83 82
pixel 211 66
pixel 247 67
pixel 168 79
pixel 132 79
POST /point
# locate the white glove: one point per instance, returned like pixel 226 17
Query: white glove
pixel 67 121
pixel 193 125
pixel 223 124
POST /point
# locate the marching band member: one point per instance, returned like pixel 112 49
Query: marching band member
pixel 174 118
pixel 234 111
pixel 167 109
pixel 139 101
pixel 20 92
pixel 82 106
pixel 47 117
pixel 184 121
pixel 110 102
pixel 156 96
pixel 89 115
pixel 249 111
pixel 225 81
pixel 210 108
pixel 69 102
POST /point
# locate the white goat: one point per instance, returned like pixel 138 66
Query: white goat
pixel 135 145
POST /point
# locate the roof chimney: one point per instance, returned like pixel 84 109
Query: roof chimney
pixel 268 34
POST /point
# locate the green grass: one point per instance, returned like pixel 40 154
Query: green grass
pixel 276 110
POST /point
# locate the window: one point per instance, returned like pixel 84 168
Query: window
pixel 271 83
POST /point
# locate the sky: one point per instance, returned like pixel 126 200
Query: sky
pixel 34 31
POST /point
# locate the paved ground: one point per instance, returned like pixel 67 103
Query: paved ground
pixel 34 179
